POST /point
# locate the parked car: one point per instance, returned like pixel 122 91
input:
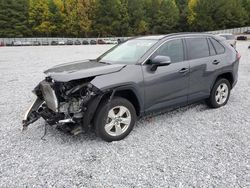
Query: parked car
pixel 93 42
pixel 45 43
pixel 101 41
pixel 77 42
pixel 107 41
pixel 36 43
pixel 247 32
pixel 69 42
pixel 26 43
pixel 120 40
pixel 230 38
pixel 9 44
pixel 53 43
pixel 242 38
pixel 17 43
pixel 114 41
pixel 1 43
pixel 85 42
pixel 61 42
pixel 112 91
pixel 110 41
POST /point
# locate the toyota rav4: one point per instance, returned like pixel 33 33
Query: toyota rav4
pixel 140 76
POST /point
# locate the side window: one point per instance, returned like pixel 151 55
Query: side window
pixel 197 48
pixel 218 47
pixel 211 48
pixel 173 49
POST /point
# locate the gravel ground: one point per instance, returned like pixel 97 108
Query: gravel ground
pixel 190 147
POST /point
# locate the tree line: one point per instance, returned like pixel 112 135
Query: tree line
pixel 106 18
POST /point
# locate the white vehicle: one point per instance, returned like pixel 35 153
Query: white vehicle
pixel 110 41
pixel 107 41
pixel 17 43
pixel 114 41
pixel 230 38
pixel 61 42
pixel 26 43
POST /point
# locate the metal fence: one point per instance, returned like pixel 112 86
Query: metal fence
pixel 235 31
pixel 9 41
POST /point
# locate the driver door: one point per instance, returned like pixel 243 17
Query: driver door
pixel 167 86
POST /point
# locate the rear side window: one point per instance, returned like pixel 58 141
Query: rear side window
pixel 197 48
pixel 173 49
pixel 218 47
pixel 211 48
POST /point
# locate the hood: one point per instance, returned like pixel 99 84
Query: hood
pixel 81 69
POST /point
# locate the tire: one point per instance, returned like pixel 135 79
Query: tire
pixel 114 120
pixel 220 93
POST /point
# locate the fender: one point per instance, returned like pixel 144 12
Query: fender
pixel 94 103
pixel 134 90
pixel 218 75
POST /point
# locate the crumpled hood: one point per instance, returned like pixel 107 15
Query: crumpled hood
pixel 81 69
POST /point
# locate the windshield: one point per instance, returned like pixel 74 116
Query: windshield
pixel 128 52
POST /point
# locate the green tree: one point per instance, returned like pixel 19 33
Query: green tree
pixel 56 17
pixel 111 18
pixel 238 16
pixel 246 5
pixel 207 15
pixel 164 16
pixel 183 8
pixel 39 18
pixel 14 18
pixel 84 12
pixel 200 16
pixel 72 27
pixel 137 17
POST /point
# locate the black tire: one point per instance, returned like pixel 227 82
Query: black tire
pixel 101 118
pixel 211 101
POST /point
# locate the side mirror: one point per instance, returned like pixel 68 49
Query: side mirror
pixel 159 61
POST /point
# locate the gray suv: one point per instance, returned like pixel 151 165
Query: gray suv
pixel 140 76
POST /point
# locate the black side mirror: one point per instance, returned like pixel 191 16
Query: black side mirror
pixel 159 61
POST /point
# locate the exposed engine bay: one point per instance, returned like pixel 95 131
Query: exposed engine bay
pixel 64 102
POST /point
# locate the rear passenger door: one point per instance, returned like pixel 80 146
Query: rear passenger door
pixel 204 63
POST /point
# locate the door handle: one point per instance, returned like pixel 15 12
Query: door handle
pixel 216 62
pixel 183 70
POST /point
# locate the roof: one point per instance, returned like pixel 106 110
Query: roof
pixel 221 34
pixel 159 37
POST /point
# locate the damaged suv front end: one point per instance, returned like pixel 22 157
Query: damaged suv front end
pixel 60 103
pixel 67 96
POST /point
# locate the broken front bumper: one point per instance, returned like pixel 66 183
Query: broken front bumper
pixel 32 114
pixel 73 111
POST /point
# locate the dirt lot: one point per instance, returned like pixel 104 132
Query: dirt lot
pixel 193 146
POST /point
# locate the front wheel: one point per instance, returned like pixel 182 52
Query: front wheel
pixel 220 93
pixel 114 120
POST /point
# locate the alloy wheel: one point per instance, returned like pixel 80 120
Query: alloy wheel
pixel 221 94
pixel 118 121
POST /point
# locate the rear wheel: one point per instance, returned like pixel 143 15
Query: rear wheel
pixel 114 120
pixel 220 93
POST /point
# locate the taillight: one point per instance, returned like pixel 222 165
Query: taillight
pixel 238 56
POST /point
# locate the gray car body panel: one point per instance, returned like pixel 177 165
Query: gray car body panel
pixel 164 87
pixel 81 69
pixel 130 78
